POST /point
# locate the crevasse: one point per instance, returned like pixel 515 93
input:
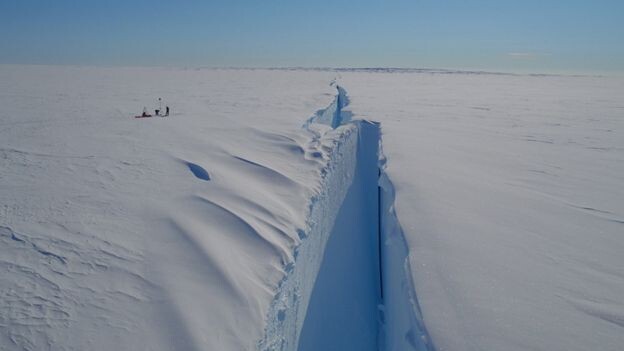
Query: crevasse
pixel 350 287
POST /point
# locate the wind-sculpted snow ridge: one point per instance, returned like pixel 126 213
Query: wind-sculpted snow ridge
pixel 350 285
pixel 157 234
pixel 336 147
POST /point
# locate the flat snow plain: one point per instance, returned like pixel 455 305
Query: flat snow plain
pixel 157 233
pixel 175 233
pixel 510 193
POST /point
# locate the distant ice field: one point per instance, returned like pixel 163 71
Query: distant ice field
pixel 207 229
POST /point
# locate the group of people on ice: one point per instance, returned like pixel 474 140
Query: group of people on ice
pixel 156 111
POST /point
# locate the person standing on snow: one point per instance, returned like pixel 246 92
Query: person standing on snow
pixel 159 107
pixel 166 110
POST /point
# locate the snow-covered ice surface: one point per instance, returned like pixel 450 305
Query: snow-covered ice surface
pixel 500 210
pixel 157 233
pixel 510 193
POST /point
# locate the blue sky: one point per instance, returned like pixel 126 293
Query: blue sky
pixel 520 35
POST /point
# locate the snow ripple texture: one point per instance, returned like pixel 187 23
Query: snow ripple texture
pixel 287 312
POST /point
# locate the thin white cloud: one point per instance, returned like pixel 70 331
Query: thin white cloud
pixel 525 55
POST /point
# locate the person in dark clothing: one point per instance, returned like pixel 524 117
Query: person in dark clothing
pixel 166 110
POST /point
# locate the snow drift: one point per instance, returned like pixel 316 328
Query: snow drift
pixel 490 220
pixel 158 233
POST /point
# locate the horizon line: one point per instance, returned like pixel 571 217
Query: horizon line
pixel 370 69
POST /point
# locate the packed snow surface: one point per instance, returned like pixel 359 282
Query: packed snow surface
pixel 155 233
pixel 510 194
pixel 496 222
